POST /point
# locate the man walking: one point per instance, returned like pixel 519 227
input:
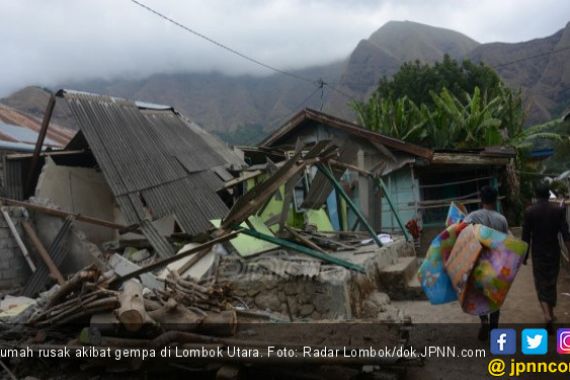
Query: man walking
pixel 488 217
pixel 542 223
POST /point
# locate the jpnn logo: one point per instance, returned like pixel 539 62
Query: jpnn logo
pixel 504 341
pixel 534 341
pixel 563 341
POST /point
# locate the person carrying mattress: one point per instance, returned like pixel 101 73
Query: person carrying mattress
pixel 489 217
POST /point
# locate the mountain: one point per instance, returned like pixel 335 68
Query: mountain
pixel 544 79
pixel 386 50
pixel 33 101
pixel 222 103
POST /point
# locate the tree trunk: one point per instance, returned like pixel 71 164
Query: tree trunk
pixel 132 313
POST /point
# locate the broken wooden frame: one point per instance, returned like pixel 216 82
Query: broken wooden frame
pixel 379 182
pixel 64 214
pixel 337 186
pixel 305 250
pixel 180 255
pixel 40 142
pixel 262 193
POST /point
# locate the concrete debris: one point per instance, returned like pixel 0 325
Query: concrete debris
pixel 123 266
pixel 16 309
pixel 273 257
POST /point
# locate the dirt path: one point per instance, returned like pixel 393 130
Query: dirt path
pixel 521 305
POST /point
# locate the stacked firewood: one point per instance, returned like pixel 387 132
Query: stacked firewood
pixel 199 296
pixel 78 298
pixel 184 305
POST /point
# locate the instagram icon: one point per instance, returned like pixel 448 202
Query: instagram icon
pixel 563 341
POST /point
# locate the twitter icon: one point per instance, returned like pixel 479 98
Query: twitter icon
pixel 534 341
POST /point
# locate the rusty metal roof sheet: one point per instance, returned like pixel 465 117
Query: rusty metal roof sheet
pixel 308 114
pixel 154 164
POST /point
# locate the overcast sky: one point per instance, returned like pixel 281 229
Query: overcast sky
pixel 47 42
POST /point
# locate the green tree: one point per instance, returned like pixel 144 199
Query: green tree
pixel 416 81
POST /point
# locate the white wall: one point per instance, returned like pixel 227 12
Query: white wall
pixel 79 190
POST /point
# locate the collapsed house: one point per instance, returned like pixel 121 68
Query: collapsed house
pixel 419 183
pixel 151 227
pixel 130 163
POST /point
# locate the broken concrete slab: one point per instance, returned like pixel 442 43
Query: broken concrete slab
pixel 200 268
pixel 122 267
pixel 16 309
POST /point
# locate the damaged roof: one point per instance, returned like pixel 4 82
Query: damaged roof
pixel 18 127
pixel 309 115
pixel 154 163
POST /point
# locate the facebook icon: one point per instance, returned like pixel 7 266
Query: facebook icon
pixel 503 341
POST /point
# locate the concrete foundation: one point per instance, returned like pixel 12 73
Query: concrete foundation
pixel 301 288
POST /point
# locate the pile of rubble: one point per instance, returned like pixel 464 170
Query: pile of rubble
pixel 190 252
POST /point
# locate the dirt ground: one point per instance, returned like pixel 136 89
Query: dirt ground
pixel 521 307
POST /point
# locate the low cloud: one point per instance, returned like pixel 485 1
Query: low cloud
pixel 49 42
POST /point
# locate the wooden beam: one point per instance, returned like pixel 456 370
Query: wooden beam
pixel 305 250
pixel 40 142
pixel 467 159
pixel 242 178
pixel 380 183
pixel 327 172
pixel 65 214
pixel 44 255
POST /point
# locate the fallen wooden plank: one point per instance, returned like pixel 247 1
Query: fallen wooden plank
pixel 65 214
pixel 44 255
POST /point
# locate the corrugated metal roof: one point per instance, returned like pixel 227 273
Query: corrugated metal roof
pixel 57 134
pixel 155 165
pixel 232 159
pixel 179 138
pixel 308 114
pixel 23 135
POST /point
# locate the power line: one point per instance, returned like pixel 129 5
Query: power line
pixel 295 109
pixel 320 84
pixel 532 57
pixel 225 47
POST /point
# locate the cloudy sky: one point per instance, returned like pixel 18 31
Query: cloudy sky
pixel 47 42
